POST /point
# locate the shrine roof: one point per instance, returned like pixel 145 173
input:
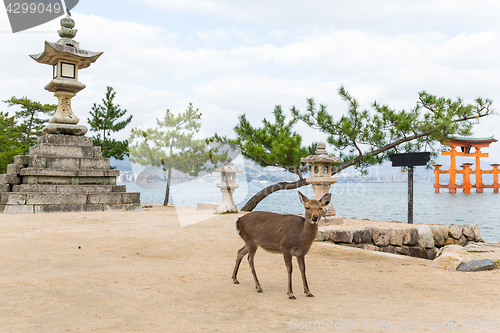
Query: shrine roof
pixel 459 139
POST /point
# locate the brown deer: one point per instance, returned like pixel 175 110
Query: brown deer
pixel 290 235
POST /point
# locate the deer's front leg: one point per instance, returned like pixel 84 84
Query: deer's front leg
pixel 287 256
pixel 302 267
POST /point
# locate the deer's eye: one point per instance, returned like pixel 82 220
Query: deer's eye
pixel 308 208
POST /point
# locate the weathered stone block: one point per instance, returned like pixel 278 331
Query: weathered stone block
pixel 95 163
pixel 134 207
pixel 13 169
pixel 63 163
pixel 418 252
pixel 65 140
pixel 370 247
pixel 440 234
pixel 22 160
pixel 16 198
pixel 62 151
pixel 134 197
pixel 452 241
pixel 115 207
pixel 6 187
pixel 321 236
pixel 381 236
pixel 38 162
pixel 83 188
pixel 9 179
pixel 96 180
pixel 431 253
pixel 362 236
pixel 96 152
pixel 455 231
pixel 404 250
pixel 449 261
pixel 64 208
pixel 389 249
pixel 105 198
pixel 340 236
pixel 468 232
pixel 397 237
pixel 425 238
pixel 18 209
pixel 476 265
pixel 24 188
pixel 98 173
pixel 477 234
pixel 410 237
pixel 41 198
pixel 119 188
pixel 48 172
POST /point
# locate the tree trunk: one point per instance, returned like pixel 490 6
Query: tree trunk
pixel 262 194
pixel 167 191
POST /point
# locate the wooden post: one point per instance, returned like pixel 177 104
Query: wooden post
pixel 436 179
pixel 466 173
pixel 479 173
pixel 410 194
pixel 452 188
pixel 495 177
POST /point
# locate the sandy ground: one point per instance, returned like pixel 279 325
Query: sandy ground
pixel 144 272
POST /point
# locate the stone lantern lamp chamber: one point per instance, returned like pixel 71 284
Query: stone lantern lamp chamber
pixel 321 179
pixel 64 172
pixel 227 187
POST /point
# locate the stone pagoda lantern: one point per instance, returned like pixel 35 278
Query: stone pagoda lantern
pixel 321 179
pixel 64 171
pixel 227 186
pixel 66 58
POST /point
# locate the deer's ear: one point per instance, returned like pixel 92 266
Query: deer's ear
pixel 325 200
pixel 303 198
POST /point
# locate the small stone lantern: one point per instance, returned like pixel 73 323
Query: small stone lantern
pixel 227 187
pixel 321 179
pixel 66 59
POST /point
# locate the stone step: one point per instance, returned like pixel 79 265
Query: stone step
pixel 10 179
pixel 65 140
pixel 54 198
pixel 65 151
pixel 30 209
pixel 68 173
pixel 71 163
pixel 26 188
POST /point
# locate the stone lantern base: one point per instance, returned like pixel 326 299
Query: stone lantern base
pixel 227 204
pixel 63 173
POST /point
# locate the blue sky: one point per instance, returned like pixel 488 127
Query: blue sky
pixel 235 57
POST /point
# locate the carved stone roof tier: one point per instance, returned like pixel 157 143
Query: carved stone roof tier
pixel 320 158
pixel 55 51
pixel 229 168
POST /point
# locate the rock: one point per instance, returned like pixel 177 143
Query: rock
pixel 418 252
pixel 389 249
pixel 331 220
pixel 451 249
pixel 477 265
pixel 397 237
pixel 455 231
pixel 451 241
pixel 475 248
pixel 425 238
pixel 381 236
pixel 404 250
pixel 477 234
pixel 462 241
pixel 362 236
pixel 370 247
pixel 322 235
pixel 431 253
pixel 410 237
pixel 440 234
pixel 341 236
pixel 449 261
pixel 468 232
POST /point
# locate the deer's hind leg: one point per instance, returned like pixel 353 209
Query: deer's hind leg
pixel 251 255
pixel 241 253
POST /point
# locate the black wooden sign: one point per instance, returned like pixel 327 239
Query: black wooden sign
pixel 410 159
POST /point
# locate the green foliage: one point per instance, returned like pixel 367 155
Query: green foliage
pixel 363 138
pixel 274 144
pixel 171 145
pixel 30 118
pixel 105 119
pixel 10 144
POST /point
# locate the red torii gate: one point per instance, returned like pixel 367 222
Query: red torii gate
pixel 466 144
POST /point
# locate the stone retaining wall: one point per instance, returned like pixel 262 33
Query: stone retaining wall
pixel 422 241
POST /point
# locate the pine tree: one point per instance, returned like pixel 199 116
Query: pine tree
pixel 105 119
pixel 31 119
pixel 171 146
pixel 10 145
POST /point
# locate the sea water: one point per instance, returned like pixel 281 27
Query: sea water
pixel 374 201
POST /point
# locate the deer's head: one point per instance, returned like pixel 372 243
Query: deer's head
pixel 314 207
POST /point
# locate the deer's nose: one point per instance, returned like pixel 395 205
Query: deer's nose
pixel 315 217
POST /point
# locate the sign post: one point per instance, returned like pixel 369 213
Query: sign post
pixel 410 160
